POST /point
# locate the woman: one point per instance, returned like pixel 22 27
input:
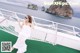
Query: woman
pixel 24 35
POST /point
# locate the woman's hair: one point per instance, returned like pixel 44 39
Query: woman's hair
pixel 30 18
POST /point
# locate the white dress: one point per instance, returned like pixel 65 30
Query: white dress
pixel 23 35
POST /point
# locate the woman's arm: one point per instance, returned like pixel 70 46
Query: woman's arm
pixel 32 25
pixel 21 25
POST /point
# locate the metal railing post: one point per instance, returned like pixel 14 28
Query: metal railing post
pixel 74 33
pixel 55 41
pixel 45 37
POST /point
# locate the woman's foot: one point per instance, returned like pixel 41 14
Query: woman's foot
pixel 12 49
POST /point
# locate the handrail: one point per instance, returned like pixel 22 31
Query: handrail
pixel 56 23
pixel 2 20
pixel 37 18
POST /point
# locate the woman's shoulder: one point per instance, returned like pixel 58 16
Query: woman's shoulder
pixel 28 24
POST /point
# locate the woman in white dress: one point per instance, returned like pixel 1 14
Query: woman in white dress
pixel 24 35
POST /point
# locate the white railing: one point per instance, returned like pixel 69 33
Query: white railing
pixel 46 30
pixel 43 32
pixel 53 24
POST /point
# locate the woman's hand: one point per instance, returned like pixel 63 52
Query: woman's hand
pixel 20 24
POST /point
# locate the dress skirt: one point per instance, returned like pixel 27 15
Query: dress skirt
pixel 20 43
